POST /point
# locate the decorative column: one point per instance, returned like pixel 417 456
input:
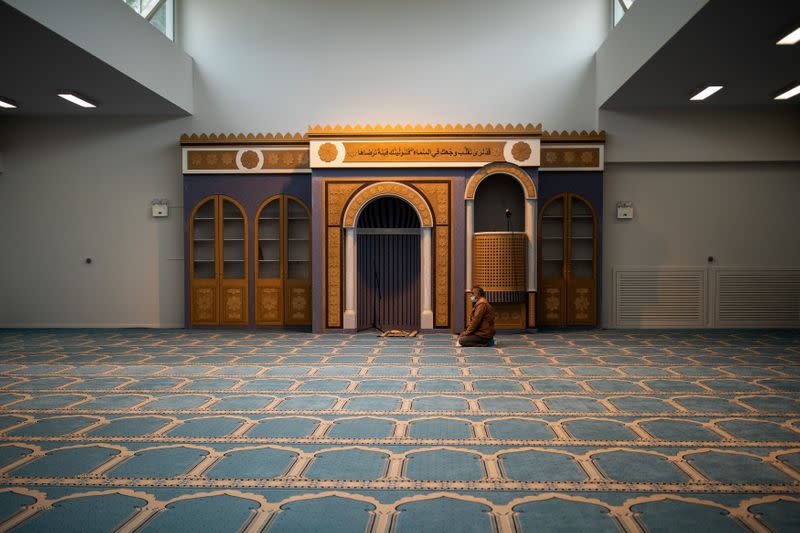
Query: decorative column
pixel 350 280
pixel 426 318
pixel 530 231
pixel 470 226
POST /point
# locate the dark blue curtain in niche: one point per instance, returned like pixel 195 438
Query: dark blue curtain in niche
pixel 388 212
pixel 388 257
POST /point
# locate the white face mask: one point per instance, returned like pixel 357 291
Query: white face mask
pixel 473 298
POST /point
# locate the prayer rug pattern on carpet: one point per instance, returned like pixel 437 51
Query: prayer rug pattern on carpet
pixel 104 430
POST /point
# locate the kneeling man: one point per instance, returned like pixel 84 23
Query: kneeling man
pixel 480 331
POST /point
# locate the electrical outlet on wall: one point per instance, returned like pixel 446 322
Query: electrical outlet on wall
pixel 624 210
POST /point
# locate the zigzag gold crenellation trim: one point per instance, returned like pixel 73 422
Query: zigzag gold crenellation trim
pixel 244 138
pixel 574 136
pixel 428 129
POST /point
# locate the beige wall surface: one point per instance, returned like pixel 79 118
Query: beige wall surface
pixel 742 214
pixel 74 189
pixel 282 64
pixel 771 133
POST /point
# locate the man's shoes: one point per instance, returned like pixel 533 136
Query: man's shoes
pixel 490 343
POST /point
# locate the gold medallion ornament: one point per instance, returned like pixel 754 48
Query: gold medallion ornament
pixel 249 159
pixel 328 152
pixel 521 151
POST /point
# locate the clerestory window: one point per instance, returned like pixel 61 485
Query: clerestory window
pixel 159 13
pixel 620 8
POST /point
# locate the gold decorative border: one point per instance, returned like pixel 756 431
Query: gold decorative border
pixel 438 195
pixel 397 129
pixel 337 196
pixel 500 168
pixel 236 159
pixel 573 157
pixel 432 195
pixel 243 138
pixel 574 136
pixel 334 276
pixel 358 130
pixel 383 188
pixel 442 288
pixel 531 309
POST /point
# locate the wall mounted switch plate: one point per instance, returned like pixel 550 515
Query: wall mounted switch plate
pixel 624 210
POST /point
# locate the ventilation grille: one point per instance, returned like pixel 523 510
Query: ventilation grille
pixel 757 297
pixel 660 298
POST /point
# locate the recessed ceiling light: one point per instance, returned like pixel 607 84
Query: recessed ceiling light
pixel 77 100
pixel 705 93
pixel 5 103
pixel 789 94
pixel 792 38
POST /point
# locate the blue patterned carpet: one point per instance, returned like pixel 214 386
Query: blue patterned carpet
pixel 222 431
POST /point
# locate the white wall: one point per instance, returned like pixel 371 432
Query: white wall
pixel 282 64
pixel 771 133
pixel 74 189
pixel 82 187
pixel 743 214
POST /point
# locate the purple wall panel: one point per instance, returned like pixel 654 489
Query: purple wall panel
pixel 590 186
pixel 317 255
pixel 248 190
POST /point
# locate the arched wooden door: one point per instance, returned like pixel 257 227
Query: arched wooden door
pixel 283 262
pixel 567 262
pixel 218 267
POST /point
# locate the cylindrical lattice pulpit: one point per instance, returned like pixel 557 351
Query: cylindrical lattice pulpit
pixel 500 267
pixel 499 261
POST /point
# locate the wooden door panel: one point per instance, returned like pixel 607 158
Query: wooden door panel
pixel 269 302
pixel 509 316
pixel 203 302
pixel 581 283
pixel 297 300
pixel 581 303
pixel 233 303
pixel 551 303
pixel 204 263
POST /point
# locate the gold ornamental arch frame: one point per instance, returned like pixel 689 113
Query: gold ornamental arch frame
pixel 349 220
pixel 530 195
pixel 382 189
pixel 512 170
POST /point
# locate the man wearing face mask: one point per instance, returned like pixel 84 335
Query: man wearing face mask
pixel 480 331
